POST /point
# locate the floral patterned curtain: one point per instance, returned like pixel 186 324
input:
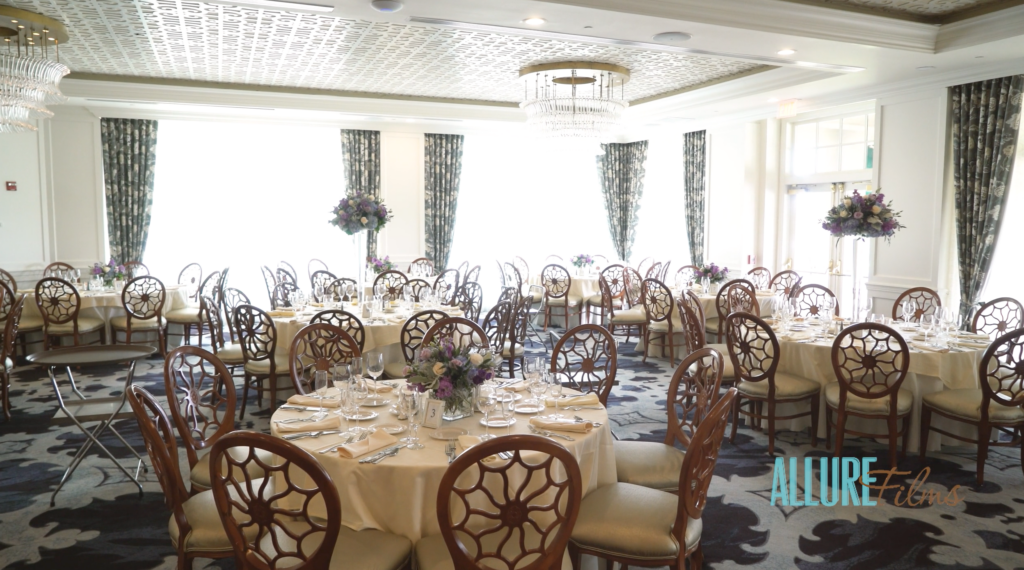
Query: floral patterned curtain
pixel 360 155
pixel 986 119
pixel 694 157
pixel 129 159
pixel 442 170
pixel 621 170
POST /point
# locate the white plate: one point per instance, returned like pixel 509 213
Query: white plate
pixel 393 429
pixel 498 421
pixel 448 433
pixel 360 415
pixel 529 408
pixel 375 402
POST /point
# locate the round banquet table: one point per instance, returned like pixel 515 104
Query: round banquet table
pixel 399 494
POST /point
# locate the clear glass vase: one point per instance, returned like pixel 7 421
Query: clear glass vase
pixel 359 244
pixel 459 405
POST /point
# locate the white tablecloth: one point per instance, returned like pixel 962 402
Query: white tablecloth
pixel 399 495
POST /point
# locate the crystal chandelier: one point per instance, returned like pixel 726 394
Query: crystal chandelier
pixel 574 100
pixel 30 70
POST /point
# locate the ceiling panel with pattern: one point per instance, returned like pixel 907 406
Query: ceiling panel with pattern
pixel 925 10
pixel 178 40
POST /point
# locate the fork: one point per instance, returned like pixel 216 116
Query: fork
pixel 580 420
pixel 312 434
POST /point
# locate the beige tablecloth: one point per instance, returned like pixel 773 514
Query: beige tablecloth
pixel 399 495
pixel 579 288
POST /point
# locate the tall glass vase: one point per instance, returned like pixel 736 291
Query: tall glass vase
pixel 359 244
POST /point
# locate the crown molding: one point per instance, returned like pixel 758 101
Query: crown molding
pixel 983 29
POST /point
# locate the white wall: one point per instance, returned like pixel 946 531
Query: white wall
pixel 23 232
pixel 734 194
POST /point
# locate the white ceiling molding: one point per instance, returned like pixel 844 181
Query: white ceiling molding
pixel 980 30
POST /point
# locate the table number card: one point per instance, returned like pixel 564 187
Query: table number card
pixel 433 413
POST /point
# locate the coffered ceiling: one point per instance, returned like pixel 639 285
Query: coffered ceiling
pixel 932 11
pixel 194 41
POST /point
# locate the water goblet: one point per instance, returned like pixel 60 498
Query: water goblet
pixel 538 388
pixel 486 401
pixel 375 365
pixel 414 406
pixel 320 386
pixel 507 400
pixel 555 391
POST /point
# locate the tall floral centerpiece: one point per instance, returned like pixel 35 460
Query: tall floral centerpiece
pixel 711 275
pixel 109 272
pixel 582 262
pixel 356 214
pixel 866 216
pixel 452 373
pixel 379 266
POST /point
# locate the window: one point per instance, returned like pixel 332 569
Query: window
pixel 1006 276
pixel 661 229
pixel 844 144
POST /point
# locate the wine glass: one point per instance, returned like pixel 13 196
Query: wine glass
pixel 318 293
pixel 555 391
pixel 486 401
pixel 928 327
pixel 909 308
pixel 375 365
pixel 413 406
pixel 360 392
pixel 538 388
pixel 356 364
pixel 320 386
pixel 507 400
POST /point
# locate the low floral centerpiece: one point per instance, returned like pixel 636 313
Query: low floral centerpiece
pixel 357 212
pixel 582 260
pixel 863 216
pixel 109 272
pixel 710 276
pixel 379 266
pixel 452 373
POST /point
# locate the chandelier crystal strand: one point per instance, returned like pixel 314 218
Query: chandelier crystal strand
pixel 556 108
pixel 29 78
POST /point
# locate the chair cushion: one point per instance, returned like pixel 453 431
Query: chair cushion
pixel 355 549
pixel 633 522
pixel 258 366
pixel 120 323
pixel 634 316
pixel 432 552
pixel 966 404
pixel 880 406
pixel 6 365
pixel 727 371
pixel 787 386
pixel 230 354
pixel 711 325
pixel 395 370
pixel 188 315
pixel 200 474
pixel 662 326
pixel 648 464
pixel 560 302
pixel 519 350
pixel 26 323
pixel 85 324
pixel 595 300
pixel 207 534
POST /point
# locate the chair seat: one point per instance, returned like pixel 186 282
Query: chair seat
pixel 573 300
pixel 207 533
pixel 6 365
pixel 355 549
pixel 787 387
pixel 432 552
pixel 662 326
pixel 728 371
pixel 634 316
pixel 966 404
pixel 85 324
pixel 27 323
pixel 596 301
pixel 395 370
pixel 711 325
pixel 230 354
pixel 258 366
pixel 200 474
pixel 120 323
pixel 878 406
pixel 515 353
pixel 648 464
pixel 186 316
pixel 631 521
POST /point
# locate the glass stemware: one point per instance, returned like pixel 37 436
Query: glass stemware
pixel 538 388
pixel 555 391
pixel 320 386
pixel 413 403
pixel 375 365
pixel 486 401
pixel 507 400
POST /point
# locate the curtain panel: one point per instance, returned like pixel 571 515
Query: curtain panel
pixel 621 171
pixel 986 120
pixel 129 161
pixel 360 157
pixel 442 169
pixel 694 161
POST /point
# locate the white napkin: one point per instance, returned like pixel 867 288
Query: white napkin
pixel 281 314
pixel 378 387
pixel 468 441
pixel 799 335
pixel 974 336
pixel 330 422
pixel 562 424
pixel 516 387
pixel 378 440
pixel 590 399
pixel 972 344
pixel 927 347
pixel 300 400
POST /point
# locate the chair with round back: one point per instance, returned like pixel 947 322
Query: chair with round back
pixel 143 300
pixel 281 297
pixel 229 353
pixel 344 320
pixel 998 317
pixel 7 347
pixel 526 524
pixel 471 300
pixel 558 286
pixel 688 273
pixel 926 302
pixel 411 337
pixel 393 282
pixel 692 392
pixel 133 269
pixel 509 295
pixel 512 276
pixel 189 318
pixel 9 280
pixel 275 527
pixel 754 351
pixel 269 280
pixel 315 265
pixel 462 331
pixel 496 323
pixel 59 303
pixel 692 316
pixel 998 404
pixel 870 361
pixel 740 297
pixel 344 290
pixel 53 269
pixel 785 282
pixel 285 272
pixel 195 527
pixel 191 276
pixel 814 300
pixel 522 267
pixel 761 277
pixel 415 288
pixel 715 325
pixel 614 316
pixel 634 287
pixel 232 298
pixel 585 356
pixel 258 339
pixel 654 271
pixel 616 281
pixel 27 324
pixel 473 275
pixel 514 347
pixel 637 526
pixel 426 267
pixel 318 347
pixel 463 269
pixel 501 274
pixel 663 322
pixel 323 278
pixel 644 265
pixel 664 271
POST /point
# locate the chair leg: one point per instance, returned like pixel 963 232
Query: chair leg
pixel 735 419
pixel 815 410
pixel 547 317
pixel 892 439
pixel 840 430
pixel 984 434
pixel 575 556
pixel 906 436
pixel 828 427
pixel 647 344
pixel 245 395
pixel 273 392
pixel 926 424
pixel 771 427
pixel 697 558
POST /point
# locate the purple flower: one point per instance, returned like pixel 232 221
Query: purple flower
pixel 858 215
pixel 457 363
pixel 444 388
pixel 488 375
pixel 425 354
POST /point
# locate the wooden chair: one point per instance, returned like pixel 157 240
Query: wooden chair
pixel 462 332
pixel 514 347
pixel 613 316
pixel 344 290
pixel 286 273
pixel 512 277
pixel 471 300
pixel 189 318
pixel 133 269
pixel 411 337
pixel 344 320
pixel 633 525
pixel 754 351
pixel 870 361
pixel 692 316
pixel 509 295
pixel 143 300
pixel 415 288
pixel 998 317
pixel 229 353
pixel 393 281
pixel 692 392
pixel 281 296
pixel 424 264
pixel 644 265
pixel 7 347
pixel 230 299
pixel 496 324
pixel 463 269
pixel 527 529
pixel 654 271
pixel 722 308
pixel 553 258
pixel 56 267
pixel 473 275
pixel 927 302
pixel 323 278
pixel 616 281
pixel 557 286
pixel 811 301
pixel 9 280
pixel 664 271
pixel 26 324
pixel 195 528
pixel 275 527
pixel 446 286
pixel 785 282
pixel 191 276
pixel 634 287
pixel 501 274
pixel 59 303
pixel 585 356
pixel 258 338
pixel 319 347
pixel 270 280
pixel 688 273
pixel 663 322
pixel 522 268
pixel 313 266
pixel 998 404
pixel 761 277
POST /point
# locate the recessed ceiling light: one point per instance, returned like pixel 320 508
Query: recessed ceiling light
pixel 671 37
pixel 533 21
pixel 386 6
pixel 289 4
pixel 925 67
pixel 786 51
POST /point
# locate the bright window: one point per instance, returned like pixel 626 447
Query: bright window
pixel 833 145
pixel 661 230
pixel 1006 277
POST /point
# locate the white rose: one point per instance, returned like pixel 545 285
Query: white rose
pixel 475 359
pixel 876 209
pixel 106 270
pixel 874 220
pixel 438 369
pixel 886 215
pixel 363 219
pixel 844 214
pixel 848 202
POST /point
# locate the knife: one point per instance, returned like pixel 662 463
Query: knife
pixel 331 448
pixel 382 454
pixel 294 436
pixel 299 408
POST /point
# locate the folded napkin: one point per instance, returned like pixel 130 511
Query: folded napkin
pixel 330 422
pixel 972 344
pixel 516 387
pixel 562 424
pixel 378 387
pixel 300 400
pixel 396 320
pixel 974 336
pixel 584 400
pixel 798 335
pixel 928 347
pixel 316 304
pixel 281 314
pixel 468 441
pixel 378 440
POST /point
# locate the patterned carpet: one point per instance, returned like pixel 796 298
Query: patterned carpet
pixel 100 522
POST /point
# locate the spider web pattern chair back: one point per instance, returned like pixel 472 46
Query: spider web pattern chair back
pixel 693 326
pixel 586 356
pixel 473 275
pixel 446 286
pixel 232 299
pixel 691 300
pixel 280 299
pixel 191 277
pixel 313 266
pixel 870 361
pixel 345 321
pixel 998 317
pixel 214 323
pixel 286 273
pixel 761 277
pixel 462 331
pixel 509 295
pixel 275 510
pixel 496 324
pixel 512 276
pixel 414 329
pixel 339 289
pixel 257 333
pixel 615 277
pixel 8 279
pixel 201 395
pixel 519 320
pixel 722 302
pixel 425 265
pixel 753 348
pixel 133 269
pixel 692 392
pixel 319 348
pixel 59 303
pixel 664 271
pixel 657 300
pixel 556 281
pixel 522 268
pixel 1002 373
pixel 811 299
pixel 740 297
pixel 55 267
pixel 7 347
pixel 270 280
pixel 6 300
pixel 143 299
pixel 471 300
pixel 654 271
pixel 926 300
pixel 634 286
pixel 688 273
pixel 323 278
pixel 211 287
pixel 526 524
pixel 394 281
pixel 416 287
pixel 785 282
